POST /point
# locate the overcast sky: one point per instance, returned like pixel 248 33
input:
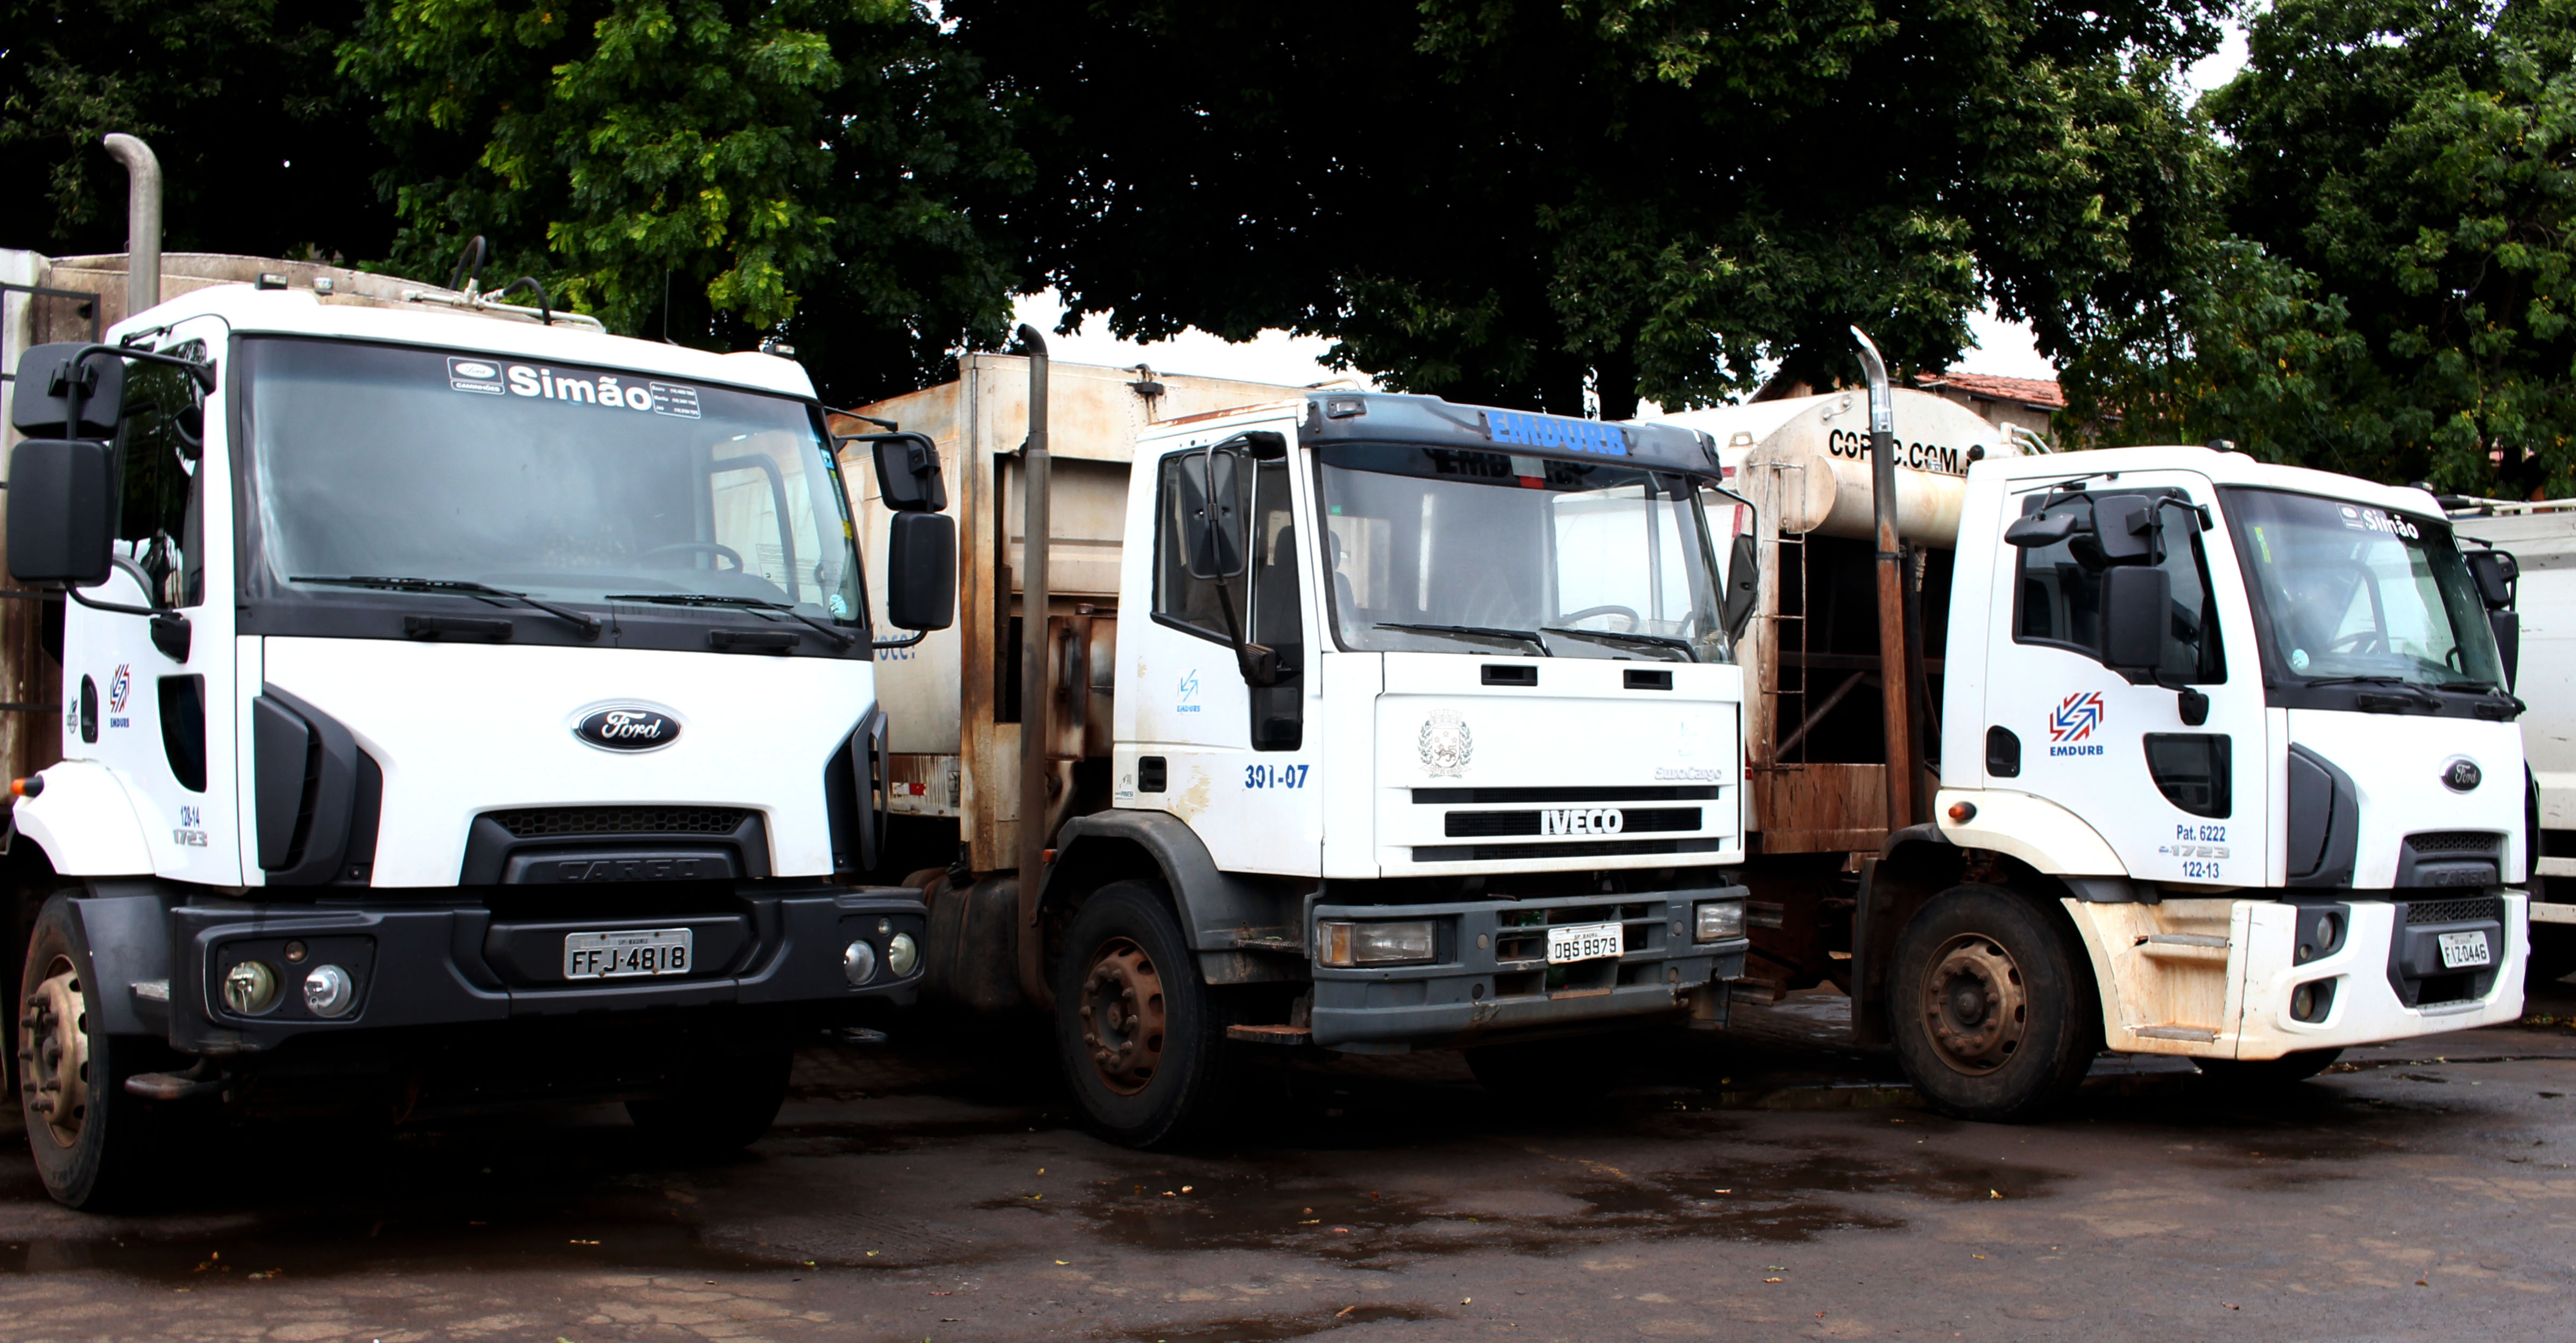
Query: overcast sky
pixel 1275 356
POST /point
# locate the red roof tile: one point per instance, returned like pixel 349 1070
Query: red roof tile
pixel 2043 393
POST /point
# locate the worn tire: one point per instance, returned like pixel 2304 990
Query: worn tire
pixel 2017 1023
pixel 1128 985
pixel 1552 1077
pixel 2268 1074
pixel 102 1156
pixel 726 1099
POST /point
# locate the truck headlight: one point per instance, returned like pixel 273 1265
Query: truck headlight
pixel 859 962
pixel 250 988
pixel 329 991
pixel 902 954
pixel 2310 1002
pixel 1345 943
pixel 1717 920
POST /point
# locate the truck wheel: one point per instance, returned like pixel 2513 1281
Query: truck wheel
pixel 1551 1077
pixel 1992 1006
pixel 2267 1074
pixel 1134 1024
pixel 724 1102
pixel 92 1143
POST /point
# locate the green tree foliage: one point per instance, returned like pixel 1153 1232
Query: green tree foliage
pixel 263 150
pixel 772 166
pixel 1509 200
pixel 2391 296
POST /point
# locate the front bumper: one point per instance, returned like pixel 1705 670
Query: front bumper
pixel 421 963
pixel 2222 978
pixel 1492 978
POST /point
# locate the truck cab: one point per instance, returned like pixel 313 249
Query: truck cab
pixel 458 704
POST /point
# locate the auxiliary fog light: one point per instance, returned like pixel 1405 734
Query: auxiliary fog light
pixel 902 954
pixel 2310 1002
pixel 1718 920
pixel 859 962
pixel 1345 944
pixel 329 991
pixel 250 988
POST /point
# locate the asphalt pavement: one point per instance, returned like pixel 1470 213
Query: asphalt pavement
pixel 1765 1183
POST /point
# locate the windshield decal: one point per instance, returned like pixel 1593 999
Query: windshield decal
pixel 1550 431
pixel 611 390
pixel 2378 520
pixel 474 375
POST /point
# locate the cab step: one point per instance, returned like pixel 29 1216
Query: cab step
pixel 1271 1035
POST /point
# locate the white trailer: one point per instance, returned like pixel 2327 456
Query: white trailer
pixel 2158 749
pixel 450 703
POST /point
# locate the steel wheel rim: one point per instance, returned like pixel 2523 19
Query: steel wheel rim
pixel 1123 1019
pixel 53 1054
pixel 1975 1006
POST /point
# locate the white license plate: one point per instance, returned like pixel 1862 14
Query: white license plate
pixel 1585 942
pixel 628 954
pixel 2463 950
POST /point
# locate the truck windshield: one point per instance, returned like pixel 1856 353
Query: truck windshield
pixel 565 482
pixel 1445 550
pixel 2344 592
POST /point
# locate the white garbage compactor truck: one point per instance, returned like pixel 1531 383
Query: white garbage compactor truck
pixel 2186 753
pixel 1329 717
pixel 458 705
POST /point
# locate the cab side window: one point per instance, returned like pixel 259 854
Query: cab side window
pixel 159 448
pixel 2057 596
pixel 1180 601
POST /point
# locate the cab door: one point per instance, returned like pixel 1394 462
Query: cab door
pixel 148 697
pixel 1236 761
pixel 2177 788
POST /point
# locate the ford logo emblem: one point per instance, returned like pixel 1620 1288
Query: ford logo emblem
pixel 466 368
pixel 628 728
pixel 2460 774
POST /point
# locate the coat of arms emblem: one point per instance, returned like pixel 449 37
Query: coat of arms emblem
pixel 1447 745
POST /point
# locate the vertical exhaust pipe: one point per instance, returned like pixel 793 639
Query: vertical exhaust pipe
pixel 1034 666
pixel 1894 685
pixel 142 221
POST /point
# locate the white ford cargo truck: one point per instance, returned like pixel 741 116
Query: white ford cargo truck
pixel 456 705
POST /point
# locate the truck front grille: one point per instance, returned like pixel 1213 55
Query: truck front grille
pixel 2455 841
pixel 556 822
pixel 2468 910
pixel 1475 824
pixel 1495 853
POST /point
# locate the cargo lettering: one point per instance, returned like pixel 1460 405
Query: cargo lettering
pixel 1933 457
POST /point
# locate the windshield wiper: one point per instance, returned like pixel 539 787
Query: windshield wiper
pixel 839 640
pixel 454 587
pixel 2492 691
pixel 1479 631
pixel 1658 640
pixel 2413 688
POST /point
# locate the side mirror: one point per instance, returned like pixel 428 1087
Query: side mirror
pixel 2137 617
pixel 62 512
pixel 1743 583
pixel 40 404
pixel 2041 529
pixel 908 476
pixel 1211 502
pixel 2126 531
pixel 2495 571
pixel 921 571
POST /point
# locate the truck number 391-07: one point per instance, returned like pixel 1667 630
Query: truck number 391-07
pixel 1274 776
